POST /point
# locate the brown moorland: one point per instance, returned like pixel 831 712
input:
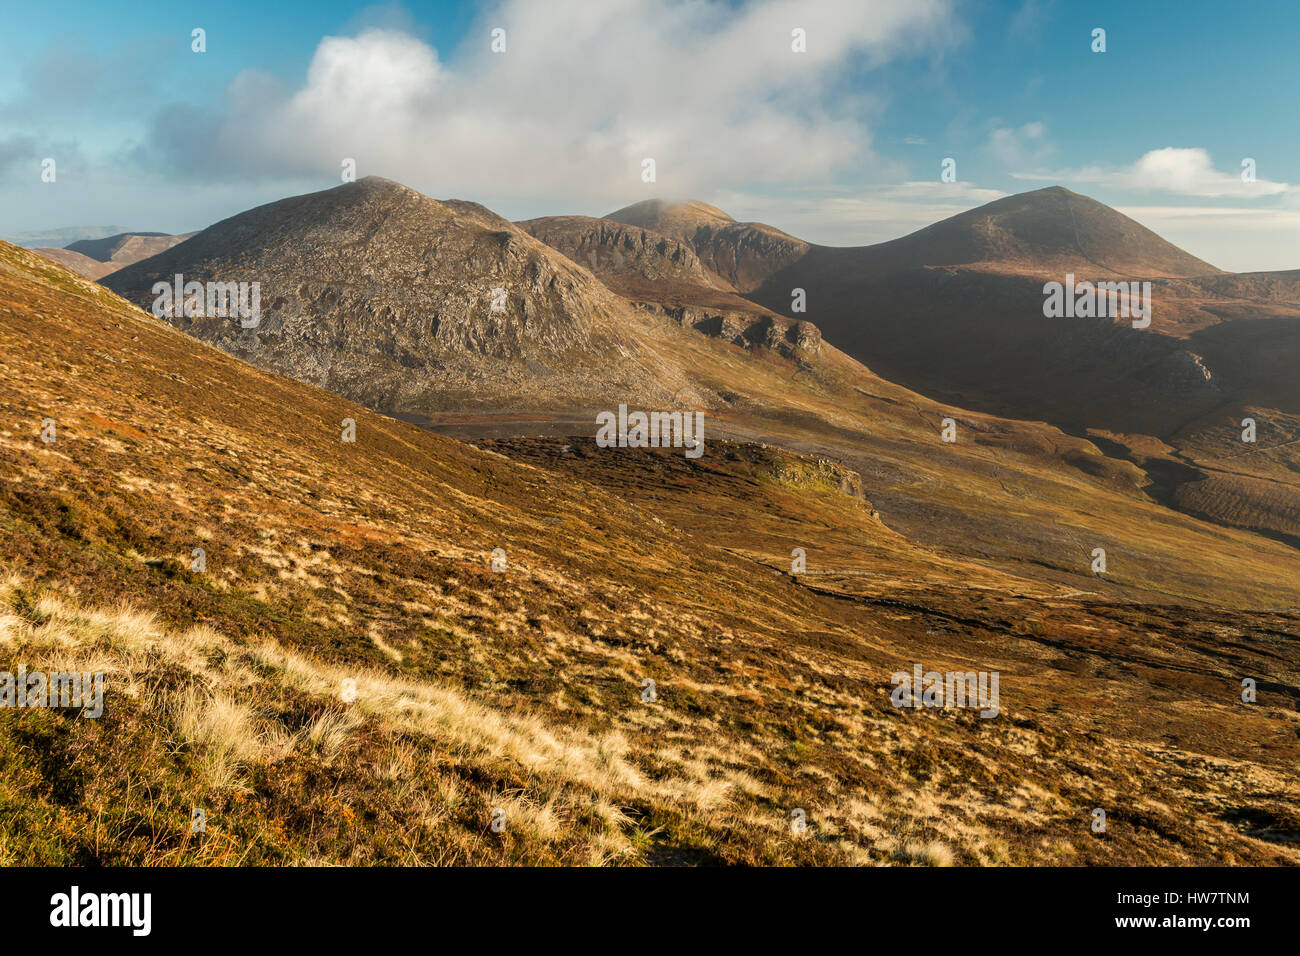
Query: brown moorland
pixel 524 691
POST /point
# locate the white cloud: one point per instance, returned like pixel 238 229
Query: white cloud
pixel 1224 217
pixel 583 93
pixel 1192 173
pixel 1185 171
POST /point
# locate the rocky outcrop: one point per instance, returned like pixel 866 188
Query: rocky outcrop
pixel 619 253
pixel 1184 371
pixel 791 338
pixel 743 254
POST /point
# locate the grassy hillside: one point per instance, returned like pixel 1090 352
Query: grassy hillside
pixel 523 690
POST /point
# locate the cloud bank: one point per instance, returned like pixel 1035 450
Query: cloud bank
pixel 581 95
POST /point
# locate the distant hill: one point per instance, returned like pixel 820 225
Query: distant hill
pixel 955 310
pixel 127 247
pixel 96 258
pixel 742 253
pixel 78 262
pixel 1045 232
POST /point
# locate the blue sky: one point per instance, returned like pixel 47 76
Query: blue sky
pixel 840 144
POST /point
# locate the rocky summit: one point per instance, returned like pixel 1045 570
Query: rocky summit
pixel 402 302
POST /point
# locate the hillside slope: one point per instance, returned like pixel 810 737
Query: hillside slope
pixel 521 694
pixel 127 247
pixel 78 262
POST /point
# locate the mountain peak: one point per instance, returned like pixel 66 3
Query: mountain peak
pixel 381 184
pixel 1047 230
pixel 741 253
pixel 400 301
pixel 680 212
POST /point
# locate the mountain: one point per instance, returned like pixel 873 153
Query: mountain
pixel 623 255
pixel 647 679
pixel 127 247
pixel 96 258
pixel 955 311
pixel 664 277
pixel 409 304
pixel 1046 232
pixel 604 312
pixel 743 254
pixel 909 307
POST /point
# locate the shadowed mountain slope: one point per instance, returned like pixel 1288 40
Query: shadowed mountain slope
pixel 955 311
pixel 127 247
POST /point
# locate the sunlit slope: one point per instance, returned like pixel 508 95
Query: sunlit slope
pixel 524 690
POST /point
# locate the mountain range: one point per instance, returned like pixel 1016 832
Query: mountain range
pixel 387 297
pixel 634 655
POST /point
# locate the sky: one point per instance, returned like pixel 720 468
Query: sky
pixel 1186 120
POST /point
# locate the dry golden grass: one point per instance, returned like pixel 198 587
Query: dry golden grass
pixel 216 709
